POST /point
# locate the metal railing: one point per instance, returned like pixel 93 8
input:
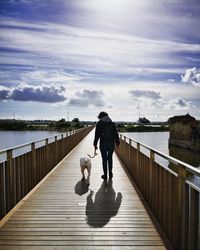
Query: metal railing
pixel 169 191
pixel 19 174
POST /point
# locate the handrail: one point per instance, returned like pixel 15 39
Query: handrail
pixel 20 173
pixel 167 157
pixel 29 143
pixel 171 194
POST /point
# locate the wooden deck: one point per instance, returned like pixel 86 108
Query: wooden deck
pixel 63 214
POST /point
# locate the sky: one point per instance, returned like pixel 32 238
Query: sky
pixel 75 58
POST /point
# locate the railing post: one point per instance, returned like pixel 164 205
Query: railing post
pixel 120 147
pixel 194 220
pixel 56 149
pixel 181 209
pixel 138 163
pixel 10 187
pixel 2 191
pixel 62 145
pixel 151 162
pixel 124 151
pixel 34 164
pixel 47 154
pixel 129 156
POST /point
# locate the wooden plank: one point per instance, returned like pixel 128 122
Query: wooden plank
pixel 88 247
pixel 87 237
pixel 91 242
pixel 79 229
pixel 81 233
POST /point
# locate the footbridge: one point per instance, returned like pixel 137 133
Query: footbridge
pixel 44 204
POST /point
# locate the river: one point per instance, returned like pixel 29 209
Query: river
pixel 9 139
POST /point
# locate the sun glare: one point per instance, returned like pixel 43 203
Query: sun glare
pixel 107 5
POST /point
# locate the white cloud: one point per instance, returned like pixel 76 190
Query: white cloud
pixel 148 100
pixel 145 93
pixel 87 98
pixel 192 76
pixel 25 92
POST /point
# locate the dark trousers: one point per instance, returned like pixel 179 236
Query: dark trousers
pixel 107 150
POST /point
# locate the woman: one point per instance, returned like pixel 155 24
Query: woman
pixel 107 132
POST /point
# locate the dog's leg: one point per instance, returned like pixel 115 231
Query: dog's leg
pixel 89 173
pixel 83 174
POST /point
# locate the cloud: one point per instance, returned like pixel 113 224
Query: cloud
pixel 87 98
pixel 47 76
pixel 147 99
pixel 24 92
pixel 182 103
pixel 192 76
pixel 179 103
pixel 145 93
pixel 4 93
pixel 61 46
pixel 171 80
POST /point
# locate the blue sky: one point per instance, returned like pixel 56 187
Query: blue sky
pixel 84 56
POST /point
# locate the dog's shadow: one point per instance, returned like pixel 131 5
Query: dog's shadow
pixel 82 187
pixel 105 205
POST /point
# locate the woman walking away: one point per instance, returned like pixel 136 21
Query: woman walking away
pixel 107 132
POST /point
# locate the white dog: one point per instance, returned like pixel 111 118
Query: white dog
pixel 85 163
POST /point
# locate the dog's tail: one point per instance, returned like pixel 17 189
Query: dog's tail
pixel 95 153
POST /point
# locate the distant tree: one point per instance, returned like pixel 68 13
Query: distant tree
pixel 75 120
pixel 13 125
pixel 62 120
pixel 144 120
pixel 62 124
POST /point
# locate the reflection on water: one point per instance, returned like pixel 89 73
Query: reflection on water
pixel 188 156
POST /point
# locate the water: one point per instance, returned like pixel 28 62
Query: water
pixel 159 141
pixel 156 140
pixel 9 139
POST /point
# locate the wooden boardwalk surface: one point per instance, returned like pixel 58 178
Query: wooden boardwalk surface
pixel 63 214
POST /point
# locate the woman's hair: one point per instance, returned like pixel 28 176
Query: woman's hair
pixel 102 114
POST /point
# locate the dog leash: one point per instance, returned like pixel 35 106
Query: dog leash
pixel 95 153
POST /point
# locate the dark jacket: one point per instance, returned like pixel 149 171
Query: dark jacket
pixel 107 132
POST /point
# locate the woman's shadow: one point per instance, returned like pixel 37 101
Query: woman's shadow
pixel 105 205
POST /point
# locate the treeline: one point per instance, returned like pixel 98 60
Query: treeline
pixel 142 128
pixel 60 125
pixel 13 125
pixel 63 125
